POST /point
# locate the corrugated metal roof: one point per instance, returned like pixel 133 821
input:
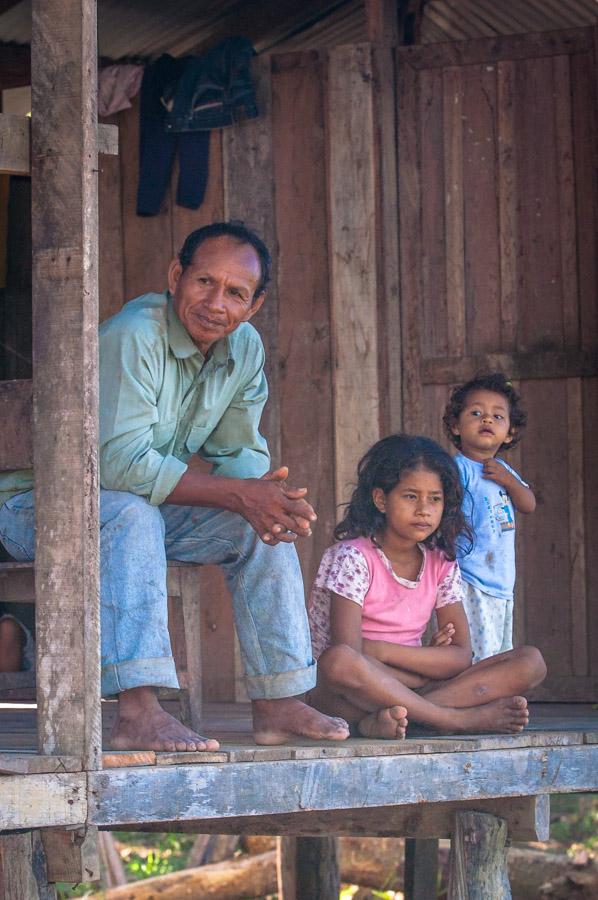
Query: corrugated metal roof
pixel 146 28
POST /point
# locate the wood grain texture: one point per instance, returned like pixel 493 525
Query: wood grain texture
pixel 15 143
pixel 421 868
pixel 110 237
pixel 23 873
pixel 38 801
pixel 452 111
pixel 308 868
pixel 507 205
pixel 352 249
pixel 304 338
pixel 72 855
pixel 478 858
pixel 16 449
pixel 64 166
pixel 203 792
pixel 249 195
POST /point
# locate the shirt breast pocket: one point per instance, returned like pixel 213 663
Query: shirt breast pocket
pixel 162 434
pixel 197 437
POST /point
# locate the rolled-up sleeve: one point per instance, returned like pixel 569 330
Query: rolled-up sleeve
pixel 235 448
pixel 130 367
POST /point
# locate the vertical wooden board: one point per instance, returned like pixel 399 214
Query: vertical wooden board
pixel 184 221
pixel 482 264
pixel 353 257
pixel 590 475
pixel 540 307
pixel 147 240
pixel 304 352
pixel 249 195
pixel 110 238
pixel 389 311
pixel 546 546
pixel 515 458
pixel 566 200
pixel 584 67
pixel 433 260
pixel 65 384
pixel 217 637
pixel 579 620
pixel 452 112
pixel 434 401
pixel 507 205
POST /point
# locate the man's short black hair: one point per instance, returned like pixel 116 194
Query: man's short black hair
pixel 239 232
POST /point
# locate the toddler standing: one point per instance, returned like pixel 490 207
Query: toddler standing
pixel 484 417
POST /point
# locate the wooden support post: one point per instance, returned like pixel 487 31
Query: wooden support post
pixel 382 22
pixel 65 317
pixel 72 855
pixel 190 593
pixel 23 874
pixel 353 249
pixel 308 868
pixel 421 868
pixel 478 859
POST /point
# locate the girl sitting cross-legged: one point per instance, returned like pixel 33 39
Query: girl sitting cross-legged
pixel 375 592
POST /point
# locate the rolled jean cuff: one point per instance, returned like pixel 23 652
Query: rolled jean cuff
pixel 158 672
pixel 285 684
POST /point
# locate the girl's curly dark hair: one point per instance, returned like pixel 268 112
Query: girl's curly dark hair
pixel 383 466
pixel 498 384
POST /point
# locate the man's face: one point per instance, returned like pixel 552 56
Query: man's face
pixel 214 294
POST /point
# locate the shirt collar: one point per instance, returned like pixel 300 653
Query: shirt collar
pixel 183 347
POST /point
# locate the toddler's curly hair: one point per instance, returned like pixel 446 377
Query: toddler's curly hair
pixel 498 384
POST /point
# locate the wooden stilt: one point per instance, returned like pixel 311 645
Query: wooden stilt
pixel 72 855
pixel 421 868
pixel 23 874
pixel 308 868
pixel 478 860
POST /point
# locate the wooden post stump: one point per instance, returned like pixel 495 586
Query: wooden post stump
pixel 478 859
pixel 308 868
pixel 421 868
pixel 23 874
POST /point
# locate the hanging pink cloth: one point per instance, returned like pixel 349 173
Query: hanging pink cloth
pixel 117 85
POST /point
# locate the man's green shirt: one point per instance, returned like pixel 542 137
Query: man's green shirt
pixel 161 401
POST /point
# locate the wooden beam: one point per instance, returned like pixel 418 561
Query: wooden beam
pixel 352 205
pixel 40 801
pixel 544 364
pixel 164 794
pixel 421 868
pixel 23 874
pixel 528 819
pixel 72 855
pixel 15 143
pixel 382 22
pixel 308 868
pixel 65 385
pixel 478 860
pixel 249 196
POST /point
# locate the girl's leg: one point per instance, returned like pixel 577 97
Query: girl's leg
pixel 347 676
pixel 506 674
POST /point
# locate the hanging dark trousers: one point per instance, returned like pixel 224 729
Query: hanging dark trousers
pixel 157 147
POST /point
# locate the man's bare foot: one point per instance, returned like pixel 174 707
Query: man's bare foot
pixel 279 721
pixel 142 724
pixel 388 723
pixel 507 715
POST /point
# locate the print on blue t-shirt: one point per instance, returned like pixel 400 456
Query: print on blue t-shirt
pixel 490 564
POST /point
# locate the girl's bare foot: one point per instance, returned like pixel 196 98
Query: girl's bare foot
pixel 507 715
pixel 279 721
pixel 388 723
pixel 142 724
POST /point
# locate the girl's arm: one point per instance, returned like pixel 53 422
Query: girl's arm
pixel 433 662
pixel 523 497
pixel 345 628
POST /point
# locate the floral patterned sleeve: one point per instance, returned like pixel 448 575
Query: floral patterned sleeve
pixel 344 571
pixel 450 589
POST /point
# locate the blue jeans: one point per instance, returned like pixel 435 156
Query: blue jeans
pixel 136 539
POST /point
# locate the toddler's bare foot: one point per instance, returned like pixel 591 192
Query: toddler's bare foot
pixel 142 724
pixel 509 715
pixel 279 721
pixel 388 723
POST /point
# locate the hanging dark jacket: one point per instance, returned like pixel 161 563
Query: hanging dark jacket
pixel 214 90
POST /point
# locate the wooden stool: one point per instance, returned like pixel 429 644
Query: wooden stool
pixel 17 585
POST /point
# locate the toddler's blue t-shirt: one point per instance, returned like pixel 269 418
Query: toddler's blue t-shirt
pixel 490 564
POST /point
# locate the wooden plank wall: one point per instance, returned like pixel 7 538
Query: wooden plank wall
pixel 288 176
pixel 498 193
